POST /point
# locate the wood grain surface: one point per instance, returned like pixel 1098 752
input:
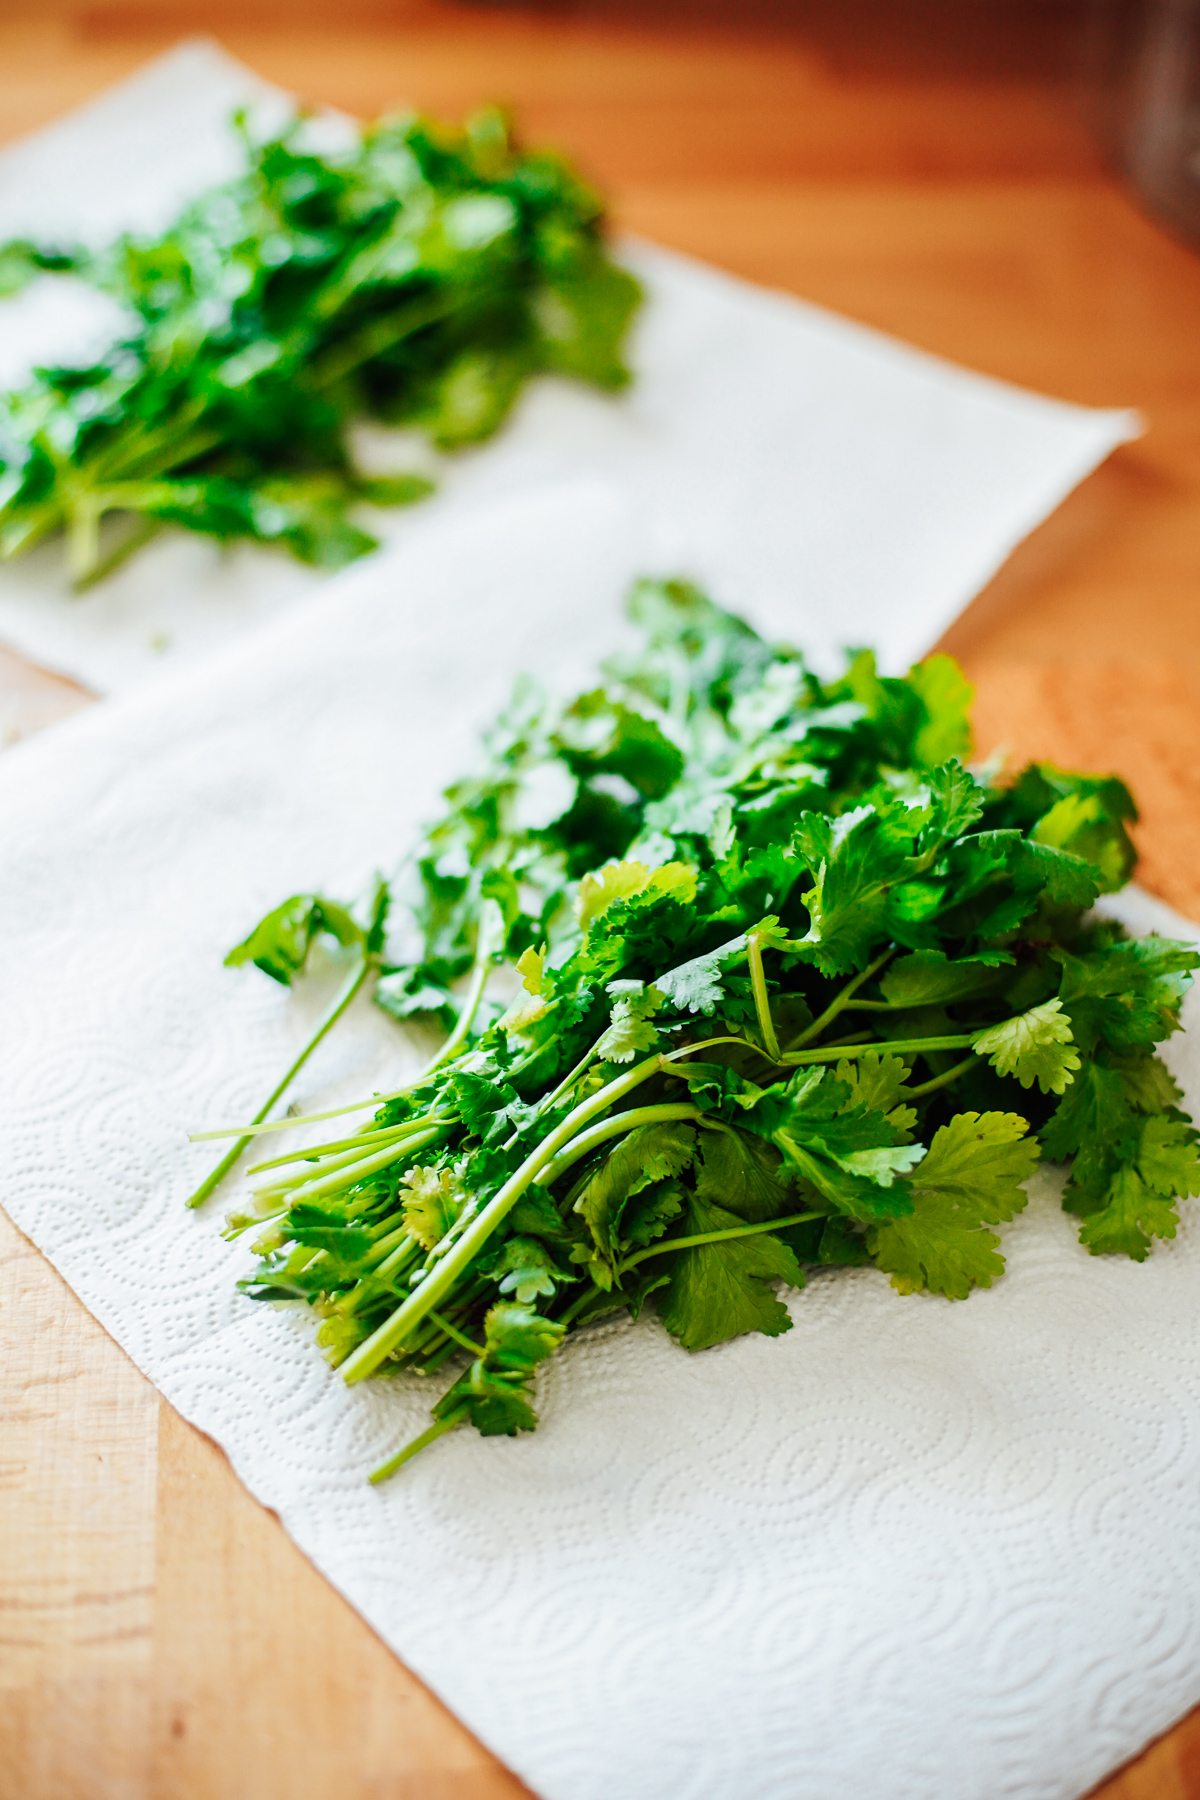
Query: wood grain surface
pixel 923 168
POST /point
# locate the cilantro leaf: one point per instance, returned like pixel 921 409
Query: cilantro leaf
pixel 1128 995
pixel 971 1178
pixel 630 1032
pixel 1092 1111
pixel 702 984
pixel 600 736
pixel 1091 825
pixel 826 1138
pixel 408 993
pixel 956 798
pixel 624 880
pixel 494 1393
pixel 1066 878
pixel 647 1214
pixel 1147 1083
pixel 883 1163
pixel 945 695
pixel 718 1291
pixel 1034 1046
pixel 930 978
pixel 1167 1156
pixel 742 1175
pixel 432 1200
pixel 527 1269
pixel 856 861
pixel 1133 1214
pixel 280 942
pixel 877 1083
pixel 648 1154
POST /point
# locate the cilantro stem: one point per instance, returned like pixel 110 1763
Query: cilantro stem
pixel 762 1004
pixel 442 1277
pixel 258 1129
pixel 357 977
pixel 436 1430
pixel 327 1165
pixel 147 528
pixel 462 1027
pixel 383 1271
pixel 897 1047
pixel 428 1364
pixel 360 1140
pixel 840 1000
pixel 580 1302
pixel 391 1240
pixel 941 1081
pixel 586 1142
pixel 460 1337
pixel 717 1237
pixel 568 1081
pixel 671 1056
pixel 466 1018
pixel 347 1175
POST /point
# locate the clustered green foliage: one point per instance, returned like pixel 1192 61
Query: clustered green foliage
pixel 419 277
pixel 797 990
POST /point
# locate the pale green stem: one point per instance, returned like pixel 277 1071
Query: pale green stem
pixel 762 1004
pixel 384 1247
pixel 327 1165
pixel 465 1019
pixel 83 536
pixel 341 1002
pixel 258 1129
pixel 141 534
pixel 834 1008
pixel 568 1081
pixel 436 1430
pixel 374 338
pixel 583 1300
pixel 906 1047
pixel 941 1081
pixel 367 1165
pixel 587 1141
pixel 718 1237
pixel 383 1271
pixel 441 1279
pixel 462 1027
pixel 460 1337
pixel 360 1141
pixel 671 1056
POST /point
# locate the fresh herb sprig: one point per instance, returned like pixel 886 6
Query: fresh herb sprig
pixel 798 989
pixel 420 276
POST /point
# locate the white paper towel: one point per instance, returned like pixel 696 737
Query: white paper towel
pixel 846 488
pixel 910 1551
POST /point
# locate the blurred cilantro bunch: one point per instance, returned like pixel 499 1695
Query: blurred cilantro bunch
pixel 420 277
pixel 790 986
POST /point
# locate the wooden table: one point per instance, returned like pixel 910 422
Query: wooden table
pixel 159 1635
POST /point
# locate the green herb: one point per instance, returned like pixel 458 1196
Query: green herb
pixel 420 277
pixel 790 987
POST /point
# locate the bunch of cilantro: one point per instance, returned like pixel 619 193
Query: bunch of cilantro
pixel 794 989
pixel 420 276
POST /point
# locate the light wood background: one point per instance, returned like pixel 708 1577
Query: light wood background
pixel 923 168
